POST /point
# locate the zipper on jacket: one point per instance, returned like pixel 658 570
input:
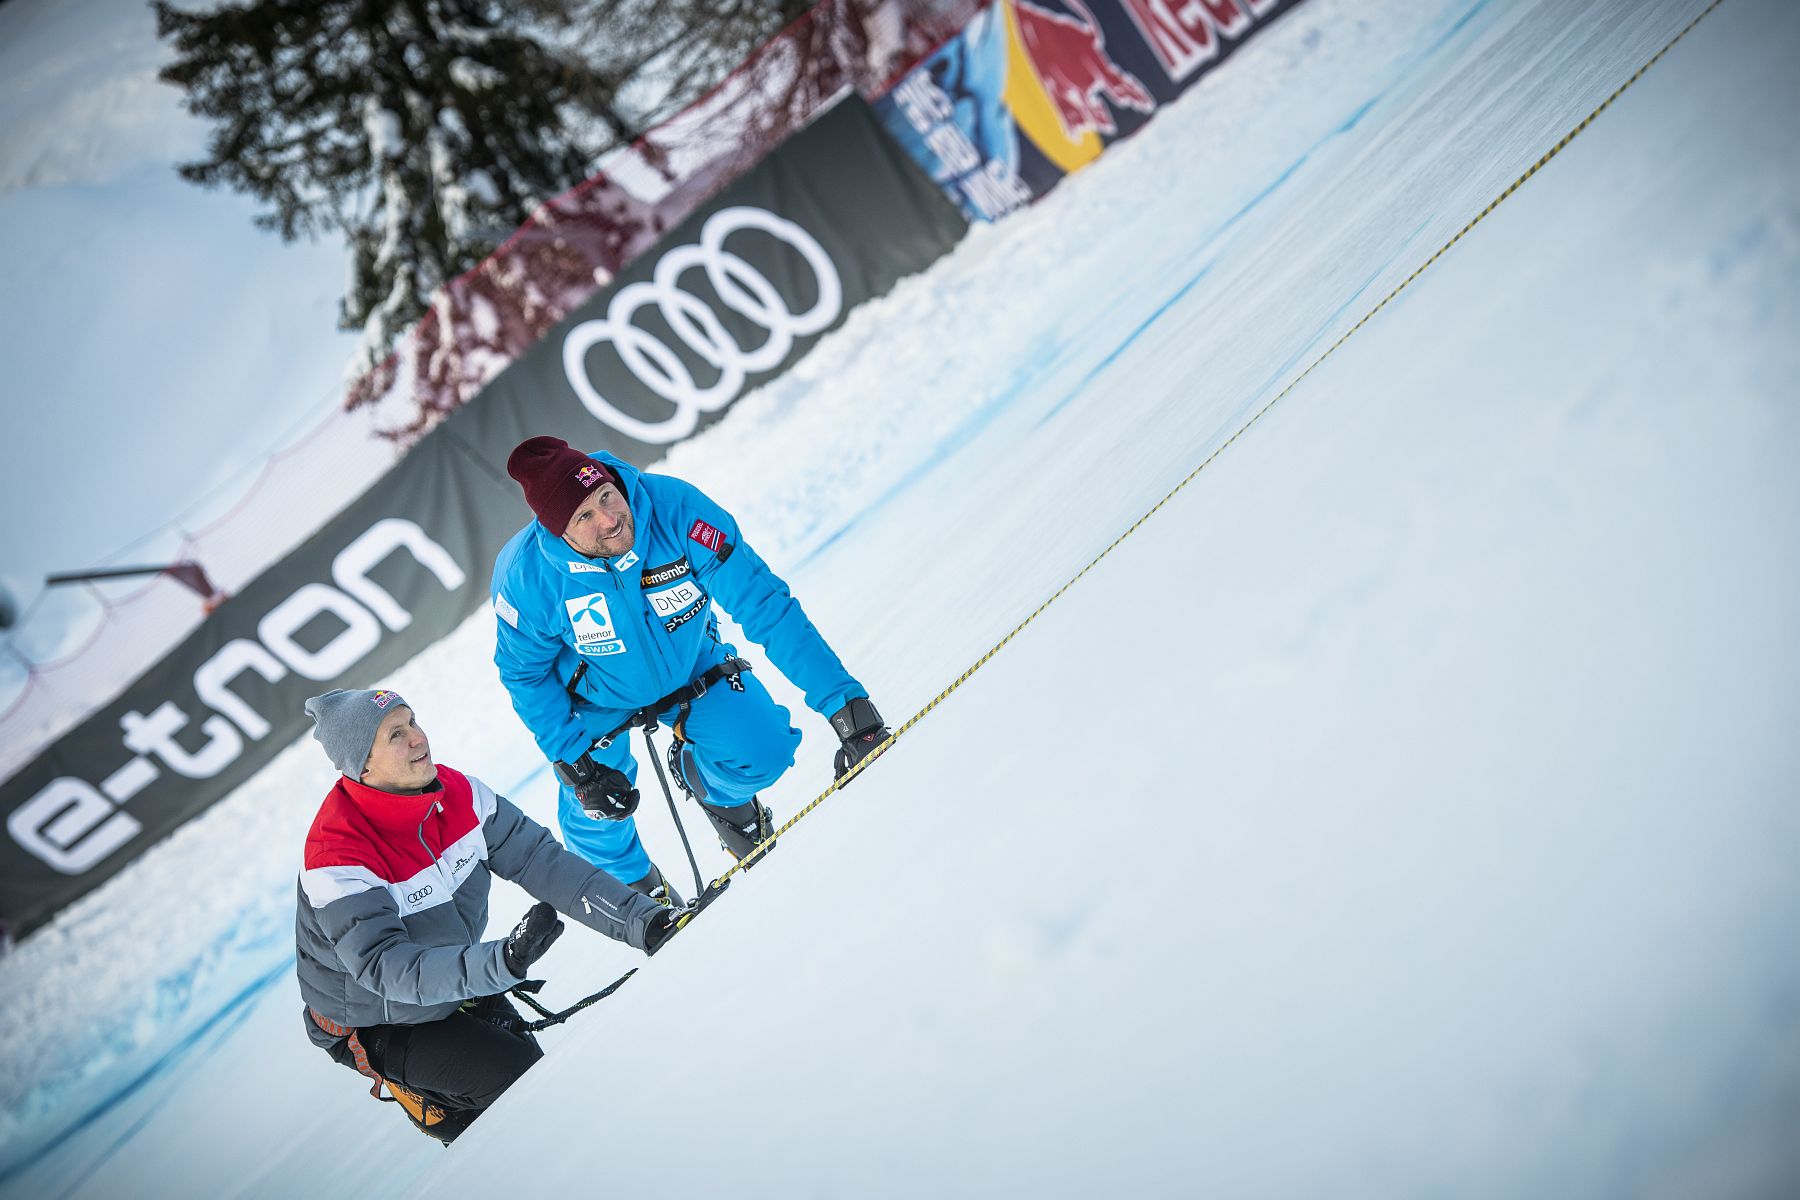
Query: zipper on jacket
pixel 421 833
pixel 437 860
pixel 387 1010
pixel 651 626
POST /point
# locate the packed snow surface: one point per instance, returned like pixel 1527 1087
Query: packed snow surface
pixel 1406 808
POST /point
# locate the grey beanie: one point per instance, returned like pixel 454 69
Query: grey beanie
pixel 345 722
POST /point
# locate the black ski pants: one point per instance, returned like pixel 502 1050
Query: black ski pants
pixel 462 1062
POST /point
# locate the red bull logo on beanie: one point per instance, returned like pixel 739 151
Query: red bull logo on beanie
pixel 382 699
pixel 588 476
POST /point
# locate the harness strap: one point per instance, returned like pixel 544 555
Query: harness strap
pixel 677 740
pixel 573 687
pixel 357 1053
pixel 731 670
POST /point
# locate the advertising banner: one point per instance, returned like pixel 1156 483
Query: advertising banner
pixel 729 298
pixel 388 575
pixel 1034 90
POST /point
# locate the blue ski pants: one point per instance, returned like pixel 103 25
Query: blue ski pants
pixel 740 742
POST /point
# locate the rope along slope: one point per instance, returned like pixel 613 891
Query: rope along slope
pixel 1245 428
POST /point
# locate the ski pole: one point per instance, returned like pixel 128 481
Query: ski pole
pixel 656 761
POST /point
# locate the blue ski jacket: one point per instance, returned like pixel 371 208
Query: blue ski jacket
pixel 643 622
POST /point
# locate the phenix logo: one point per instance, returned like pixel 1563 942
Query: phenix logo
pixel 1070 56
pixel 588 476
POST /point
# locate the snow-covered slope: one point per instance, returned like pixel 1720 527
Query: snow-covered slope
pixel 1405 809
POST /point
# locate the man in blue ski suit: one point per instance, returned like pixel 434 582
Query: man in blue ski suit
pixel 604 611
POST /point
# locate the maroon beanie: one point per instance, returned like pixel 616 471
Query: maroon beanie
pixel 556 479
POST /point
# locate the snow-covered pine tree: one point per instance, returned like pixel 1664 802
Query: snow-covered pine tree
pixel 678 49
pixel 424 131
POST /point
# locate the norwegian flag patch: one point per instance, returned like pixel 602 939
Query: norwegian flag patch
pixel 706 535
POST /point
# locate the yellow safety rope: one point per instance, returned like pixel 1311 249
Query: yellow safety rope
pixel 1015 631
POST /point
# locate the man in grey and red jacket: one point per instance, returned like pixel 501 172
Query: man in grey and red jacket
pixel 397 980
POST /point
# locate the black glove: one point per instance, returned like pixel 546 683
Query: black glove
pixel 531 937
pixel 604 794
pixel 859 728
pixel 663 926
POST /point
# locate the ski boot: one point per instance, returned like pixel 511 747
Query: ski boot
pixel 742 827
pixel 434 1120
pixel 658 889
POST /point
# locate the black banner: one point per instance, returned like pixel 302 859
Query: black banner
pixel 731 297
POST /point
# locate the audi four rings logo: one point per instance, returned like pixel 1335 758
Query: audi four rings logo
pixel 740 286
pixel 415 897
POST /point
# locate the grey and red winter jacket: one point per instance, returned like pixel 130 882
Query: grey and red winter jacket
pixel 393 900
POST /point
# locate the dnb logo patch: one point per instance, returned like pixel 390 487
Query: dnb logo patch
pixel 592 623
pixel 666 602
pixel 677 605
pixel 706 535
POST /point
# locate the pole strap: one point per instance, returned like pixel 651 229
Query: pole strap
pixel 523 992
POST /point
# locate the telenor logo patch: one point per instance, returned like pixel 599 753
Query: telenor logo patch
pixel 590 620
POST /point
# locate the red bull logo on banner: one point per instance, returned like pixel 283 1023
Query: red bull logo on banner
pixel 1032 91
pixel 1069 55
pixel 1187 34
